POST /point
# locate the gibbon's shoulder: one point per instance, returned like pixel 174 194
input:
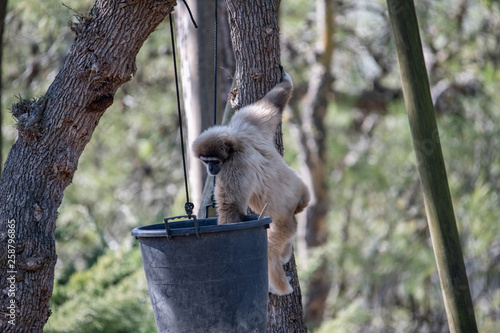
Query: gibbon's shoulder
pixel 253 115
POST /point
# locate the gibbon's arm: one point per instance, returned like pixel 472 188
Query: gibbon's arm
pixel 265 114
pixel 281 93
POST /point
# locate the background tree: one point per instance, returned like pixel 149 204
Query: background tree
pixel 310 115
pixel 196 50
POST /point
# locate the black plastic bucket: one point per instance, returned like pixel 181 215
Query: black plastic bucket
pixel 207 278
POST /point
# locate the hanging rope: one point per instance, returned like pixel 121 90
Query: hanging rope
pixel 212 198
pixel 215 65
pixel 189 206
pixel 190 14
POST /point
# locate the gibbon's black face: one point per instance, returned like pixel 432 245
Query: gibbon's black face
pixel 213 164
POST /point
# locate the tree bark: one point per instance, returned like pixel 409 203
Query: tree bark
pixel 255 36
pixel 3 12
pixel 196 50
pixel 52 132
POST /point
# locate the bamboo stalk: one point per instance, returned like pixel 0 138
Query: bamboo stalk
pixel 431 168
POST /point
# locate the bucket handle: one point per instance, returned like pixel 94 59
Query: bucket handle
pixel 195 220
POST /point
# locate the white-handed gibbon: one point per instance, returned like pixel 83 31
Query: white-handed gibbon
pixel 251 172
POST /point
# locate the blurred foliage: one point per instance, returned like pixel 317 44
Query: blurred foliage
pixel 383 273
pixel 111 296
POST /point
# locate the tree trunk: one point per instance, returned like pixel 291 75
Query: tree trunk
pixel 52 132
pixel 312 138
pixel 196 50
pixel 255 36
pixel 3 12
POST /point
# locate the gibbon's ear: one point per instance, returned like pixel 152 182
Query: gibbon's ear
pixel 216 142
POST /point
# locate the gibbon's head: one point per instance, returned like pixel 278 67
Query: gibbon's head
pixel 214 147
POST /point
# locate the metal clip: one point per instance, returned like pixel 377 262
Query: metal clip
pixel 189 217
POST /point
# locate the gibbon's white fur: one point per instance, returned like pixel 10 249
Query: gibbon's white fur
pixel 251 172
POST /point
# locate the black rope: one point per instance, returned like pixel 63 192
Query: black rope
pixel 189 205
pixel 215 64
pixel 190 14
pixel 215 87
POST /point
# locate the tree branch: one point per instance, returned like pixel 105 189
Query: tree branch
pixel 42 162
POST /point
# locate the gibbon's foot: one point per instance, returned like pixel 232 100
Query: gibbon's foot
pixel 278 283
pixel 274 291
pixel 289 290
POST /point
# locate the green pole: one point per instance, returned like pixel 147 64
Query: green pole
pixel 431 168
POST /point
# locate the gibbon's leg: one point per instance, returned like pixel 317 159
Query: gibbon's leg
pixel 286 252
pixel 229 213
pixel 278 283
pixel 279 244
pixel 231 202
pixel 286 247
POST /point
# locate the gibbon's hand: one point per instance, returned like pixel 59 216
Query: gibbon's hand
pixel 285 76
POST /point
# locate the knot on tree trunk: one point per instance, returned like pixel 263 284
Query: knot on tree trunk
pixel 66 165
pixel 28 113
pixel 256 74
pixel 34 262
pixel 232 96
pixel 101 103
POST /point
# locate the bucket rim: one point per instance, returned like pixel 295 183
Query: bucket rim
pixel 207 225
